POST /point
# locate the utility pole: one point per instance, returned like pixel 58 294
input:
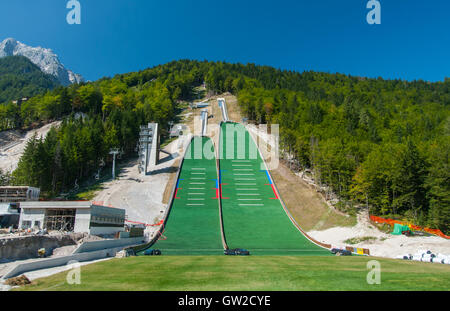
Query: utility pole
pixel 114 152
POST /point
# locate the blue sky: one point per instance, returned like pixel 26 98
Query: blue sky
pixel 117 36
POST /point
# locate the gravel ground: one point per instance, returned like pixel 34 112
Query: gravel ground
pixel 10 158
pixel 141 196
pixel 384 245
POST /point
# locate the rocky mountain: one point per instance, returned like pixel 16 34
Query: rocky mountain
pixel 47 61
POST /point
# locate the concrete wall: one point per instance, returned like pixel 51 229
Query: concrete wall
pixel 105 230
pixel 105 244
pixel 60 261
pixel 155 146
pixel 26 247
pixel 32 215
pixel 124 235
pixel 82 220
pixel 204 116
pixel 223 108
pixel 85 252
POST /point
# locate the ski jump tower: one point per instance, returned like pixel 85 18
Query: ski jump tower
pixel 204 118
pixel 149 146
pixel 223 108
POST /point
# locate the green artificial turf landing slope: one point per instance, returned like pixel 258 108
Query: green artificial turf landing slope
pixel 193 225
pixel 253 217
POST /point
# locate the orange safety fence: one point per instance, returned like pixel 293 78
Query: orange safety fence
pixel 101 203
pixel 147 225
pixel 414 227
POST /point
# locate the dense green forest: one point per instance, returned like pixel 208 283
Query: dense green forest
pixel 384 143
pixel 19 78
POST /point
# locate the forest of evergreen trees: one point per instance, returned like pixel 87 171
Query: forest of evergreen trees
pixel 19 78
pixel 384 143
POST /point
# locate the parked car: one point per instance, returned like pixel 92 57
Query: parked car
pixel 229 252
pixel 341 252
pixel 129 252
pixel 242 252
pixel 152 252
pixel 237 252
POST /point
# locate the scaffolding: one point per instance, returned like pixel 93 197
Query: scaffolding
pixel 60 219
pixel 12 194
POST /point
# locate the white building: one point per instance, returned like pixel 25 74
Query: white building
pixel 76 216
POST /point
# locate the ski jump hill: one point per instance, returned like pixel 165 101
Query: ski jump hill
pixel 225 198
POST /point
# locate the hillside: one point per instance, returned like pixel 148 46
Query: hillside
pixel 19 78
pixel 375 142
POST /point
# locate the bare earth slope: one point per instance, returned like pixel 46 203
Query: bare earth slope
pixel 12 148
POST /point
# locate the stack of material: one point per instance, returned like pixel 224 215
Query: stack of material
pixel 136 232
pixel 18 281
pixel 426 256
pixel 341 252
pixel 122 254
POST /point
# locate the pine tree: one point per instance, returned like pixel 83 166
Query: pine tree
pixel 438 186
pixel 408 182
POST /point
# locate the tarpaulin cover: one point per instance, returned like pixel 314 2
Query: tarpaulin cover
pixel 392 222
pixel 399 229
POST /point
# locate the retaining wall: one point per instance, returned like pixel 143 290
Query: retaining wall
pixel 106 244
pixel 60 261
pixel 26 247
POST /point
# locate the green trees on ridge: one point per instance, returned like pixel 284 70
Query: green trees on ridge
pixel 379 142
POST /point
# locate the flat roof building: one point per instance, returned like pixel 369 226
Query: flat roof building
pixel 199 105
pixel 12 194
pixel 72 216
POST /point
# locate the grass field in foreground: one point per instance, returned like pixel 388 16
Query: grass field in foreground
pixel 267 273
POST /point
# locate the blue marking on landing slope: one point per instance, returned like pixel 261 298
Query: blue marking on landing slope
pixel 268 176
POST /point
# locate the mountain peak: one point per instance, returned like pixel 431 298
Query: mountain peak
pixel 44 58
pixel 8 45
pixel 10 40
